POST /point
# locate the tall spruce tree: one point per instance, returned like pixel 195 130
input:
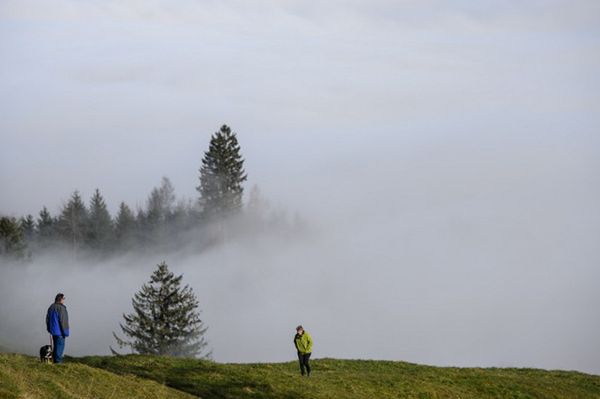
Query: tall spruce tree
pixel 45 228
pixel 28 227
pixel 161 201
pixel 181 218
pixel 12 240
pixel 221 175
pixel 165 319
pixel 125 227
pixel 100 224
pixel 159 211
pixel 142 235
pixel 72 224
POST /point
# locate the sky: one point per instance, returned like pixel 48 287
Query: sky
pixel 446 154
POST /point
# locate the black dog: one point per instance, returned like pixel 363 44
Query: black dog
pixel 46 354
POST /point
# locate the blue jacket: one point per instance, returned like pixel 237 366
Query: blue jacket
pixel 57 320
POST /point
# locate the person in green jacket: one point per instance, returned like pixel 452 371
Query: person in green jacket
pixel 303 342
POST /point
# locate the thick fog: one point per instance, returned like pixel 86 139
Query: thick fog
pixel 446 161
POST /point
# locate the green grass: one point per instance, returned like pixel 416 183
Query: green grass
pixel 135 376
pixel 25 377
pixel 350 379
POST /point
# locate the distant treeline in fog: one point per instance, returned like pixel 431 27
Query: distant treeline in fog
pixel 164 223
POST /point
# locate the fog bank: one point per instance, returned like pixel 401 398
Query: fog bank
pixel 462 257
pixel 446 157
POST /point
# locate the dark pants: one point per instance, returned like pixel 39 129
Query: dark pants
pixel 59 348
pixel 303 358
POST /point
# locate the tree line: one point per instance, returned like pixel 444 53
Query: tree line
pixel 160 224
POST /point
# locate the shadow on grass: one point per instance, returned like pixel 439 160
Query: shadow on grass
pixel 202 378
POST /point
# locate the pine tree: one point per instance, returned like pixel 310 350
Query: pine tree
pixel 256 212
pixel 12 241
pixel 181 218
pixel 28 227
pixel 257 206
pixel 125 227
pixel 142 235
pixel 72 224
pixel 159 210
pixel 221 175
pixel 162 200
pixel 165 319
pixel 45 227
pixel 100 225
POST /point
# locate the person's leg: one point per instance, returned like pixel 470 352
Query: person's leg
pixel 59 348
pixel 54 346
pixel 301 361
pixel 307 363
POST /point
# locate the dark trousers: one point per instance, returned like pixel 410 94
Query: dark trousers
pixel 304 358
pixel 59 348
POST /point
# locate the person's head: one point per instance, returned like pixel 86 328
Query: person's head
pixel 300 330
pixel 60 298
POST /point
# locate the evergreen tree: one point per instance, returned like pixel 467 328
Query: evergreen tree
pixel 181 218
pixel 12 240
pixel 100 225
pixel 222 175
pixel 28 227
pixel 256 212
pixel 165 319
pixel 142 231
pixel 162 200
pixel 72 224
pixel 125 227
pixel 159 210
pixel 257 205
pixel 45 227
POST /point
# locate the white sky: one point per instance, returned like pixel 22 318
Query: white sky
pixel 427 133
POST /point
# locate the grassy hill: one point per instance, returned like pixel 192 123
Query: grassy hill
pixel 25 377
pixel 153 377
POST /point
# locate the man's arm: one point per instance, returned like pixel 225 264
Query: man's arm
pixel 48 321
pixel 63 319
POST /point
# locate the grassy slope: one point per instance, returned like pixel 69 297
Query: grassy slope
pixel 25 377
pixel 148 377
pixel 350 379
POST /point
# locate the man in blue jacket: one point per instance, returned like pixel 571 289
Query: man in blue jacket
pixel 57 324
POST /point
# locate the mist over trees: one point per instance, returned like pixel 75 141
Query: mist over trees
pixel 165 222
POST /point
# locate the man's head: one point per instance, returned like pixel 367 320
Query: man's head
pixel 300 330
pixel 60 298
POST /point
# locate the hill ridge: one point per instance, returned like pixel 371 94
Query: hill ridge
pixel 134 376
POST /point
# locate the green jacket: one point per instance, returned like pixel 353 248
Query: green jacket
pixel 303 342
